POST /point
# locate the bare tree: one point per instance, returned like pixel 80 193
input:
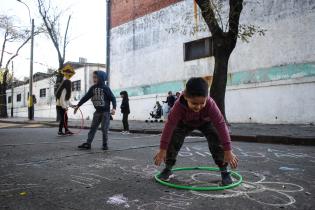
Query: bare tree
pixel 224 38
pixel 52 19
pixel 11 33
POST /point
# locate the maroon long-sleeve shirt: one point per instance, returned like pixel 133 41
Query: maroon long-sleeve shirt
pixel 181 113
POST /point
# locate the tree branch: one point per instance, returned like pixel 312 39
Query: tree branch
pixel 51 21
pixel 236 7
pixel 65 42
pixel 3 48
pixel 17 52
pixel 209 16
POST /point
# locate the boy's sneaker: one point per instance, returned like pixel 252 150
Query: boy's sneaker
pixel 85 146
pixel 226 178
pixel 105 147
pixel 69 133
pixel 60 133
pixel 166 175
pixel 123 132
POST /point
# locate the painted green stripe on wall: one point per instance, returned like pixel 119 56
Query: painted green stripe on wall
pixel 272 74
pixel 237 78
pixel 153 89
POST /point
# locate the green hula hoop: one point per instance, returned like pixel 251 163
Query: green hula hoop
pixel 209 188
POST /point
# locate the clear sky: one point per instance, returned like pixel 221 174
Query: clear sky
pixel 87 32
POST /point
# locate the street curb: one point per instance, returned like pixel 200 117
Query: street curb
pixel 288 140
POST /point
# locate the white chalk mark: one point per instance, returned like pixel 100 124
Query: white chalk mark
pixel 246 188
pixel 284 168
pixel 88 179
pixel 208 153
pixel 199 153
pixel 290 200
pixel 185 154
pixel 169 201
pixel 118 200
pixel 282 187
pixel 82 183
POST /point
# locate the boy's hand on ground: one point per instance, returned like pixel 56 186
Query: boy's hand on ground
pixel 230 158
pixel 113 111
pixel 160 157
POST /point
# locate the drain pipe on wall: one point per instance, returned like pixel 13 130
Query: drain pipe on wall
pixel 108 27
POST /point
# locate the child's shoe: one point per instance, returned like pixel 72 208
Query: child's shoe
pixel 69 133
pixel 60 133
pixel 166 175
pixel 105 147
pixel 85 146
pixel 226 178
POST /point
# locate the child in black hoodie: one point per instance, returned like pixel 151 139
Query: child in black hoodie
pixel 101 96
pixel 125 110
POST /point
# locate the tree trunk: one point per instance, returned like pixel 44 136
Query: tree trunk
pixel 3 95
pixel 223 47
pixel 59 78
pixel 218 86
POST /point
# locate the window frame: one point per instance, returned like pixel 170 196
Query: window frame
pixel 19 97
pixel 188 48
pixel 76 85
pixel 41 95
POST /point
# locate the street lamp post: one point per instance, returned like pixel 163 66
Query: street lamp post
pixel 30 96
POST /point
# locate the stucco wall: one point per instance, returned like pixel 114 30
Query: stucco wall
pixel 147 54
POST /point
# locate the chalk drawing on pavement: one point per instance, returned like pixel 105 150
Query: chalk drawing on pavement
pixel 268 193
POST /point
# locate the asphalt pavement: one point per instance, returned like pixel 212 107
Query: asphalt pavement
pixel 42 171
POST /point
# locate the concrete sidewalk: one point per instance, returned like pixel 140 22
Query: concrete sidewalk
pixel 248 132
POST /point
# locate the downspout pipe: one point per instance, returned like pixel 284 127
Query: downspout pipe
pixel 108 27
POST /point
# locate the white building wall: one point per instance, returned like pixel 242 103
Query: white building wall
pixel 149 51
pixel 46 106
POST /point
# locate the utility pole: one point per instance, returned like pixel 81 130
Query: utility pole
pixel 12 89
pixel 108 27
pixel 30 99
pixel 30 95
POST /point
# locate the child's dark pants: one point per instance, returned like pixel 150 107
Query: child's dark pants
pixel 178 138
pixel 125 121
pixel 63 123
pixel 103 119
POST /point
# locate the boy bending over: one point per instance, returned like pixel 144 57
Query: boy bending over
pixel 196 110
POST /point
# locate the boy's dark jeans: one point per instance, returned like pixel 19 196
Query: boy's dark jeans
pixel 63 123
pixel 102 118
pixel 125 121
pixel 178 138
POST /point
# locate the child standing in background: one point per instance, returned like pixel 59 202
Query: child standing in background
pixel 63 95
pixel 196 110
pixel 101 96
pixel 125 110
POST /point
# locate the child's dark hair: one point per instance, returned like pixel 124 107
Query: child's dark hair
pixel 124 94
pixel 196 86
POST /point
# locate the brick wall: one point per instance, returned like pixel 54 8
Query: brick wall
pixel 126 10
